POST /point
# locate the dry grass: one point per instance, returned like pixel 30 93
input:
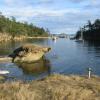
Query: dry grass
pixel 55 87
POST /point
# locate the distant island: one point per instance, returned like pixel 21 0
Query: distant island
pixel 91 31
pixel 10 29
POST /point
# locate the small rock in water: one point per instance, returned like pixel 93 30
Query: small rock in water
pixel 4 72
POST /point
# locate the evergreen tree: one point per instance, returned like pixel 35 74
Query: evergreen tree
pixel 14 28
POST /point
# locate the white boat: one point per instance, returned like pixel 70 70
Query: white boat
pixel 4 72
pixel 54 38
pixel 81 38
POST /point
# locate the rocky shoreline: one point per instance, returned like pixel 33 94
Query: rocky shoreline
pixel 4 37
pixel 5 59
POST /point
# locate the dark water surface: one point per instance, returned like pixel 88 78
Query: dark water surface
pixel 66 57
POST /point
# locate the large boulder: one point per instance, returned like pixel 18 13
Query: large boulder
pixel 28 53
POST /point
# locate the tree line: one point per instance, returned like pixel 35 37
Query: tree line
pixel 14 28
pixel 90 31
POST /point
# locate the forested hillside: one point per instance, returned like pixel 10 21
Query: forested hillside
pixel 13 28
pixel 90 31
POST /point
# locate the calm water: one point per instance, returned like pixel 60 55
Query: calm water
pixel 66 57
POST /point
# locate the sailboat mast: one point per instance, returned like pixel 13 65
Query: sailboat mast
pixel 81 34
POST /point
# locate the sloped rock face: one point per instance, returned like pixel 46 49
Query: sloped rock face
pixel 29 53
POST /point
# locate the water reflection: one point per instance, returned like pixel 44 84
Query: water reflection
pixel 67 57
pixel 7 47
pixel 41 66
pixel 93 47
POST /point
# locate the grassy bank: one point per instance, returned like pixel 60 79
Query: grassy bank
pixel 55 87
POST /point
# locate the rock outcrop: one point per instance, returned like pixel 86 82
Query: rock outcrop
pixel 28 53
pixel 5 59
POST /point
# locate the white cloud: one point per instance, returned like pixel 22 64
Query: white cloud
pixel 45 1
pixel 9 1
pixel 33 12
pixel 58 15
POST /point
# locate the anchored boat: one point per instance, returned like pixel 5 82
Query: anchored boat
pixel 4 72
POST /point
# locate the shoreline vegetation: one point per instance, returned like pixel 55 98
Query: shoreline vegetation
pixel 90 31
pixel 10 29
pixel 54 87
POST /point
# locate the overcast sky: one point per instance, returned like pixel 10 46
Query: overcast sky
pixel 59 16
